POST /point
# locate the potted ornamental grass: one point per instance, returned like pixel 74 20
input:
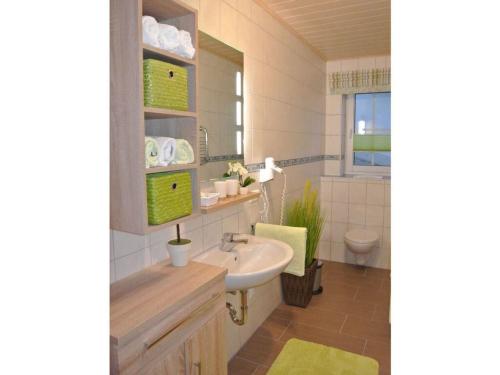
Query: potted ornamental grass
pixel 305 213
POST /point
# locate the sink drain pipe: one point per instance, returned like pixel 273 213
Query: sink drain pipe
pixel 244 309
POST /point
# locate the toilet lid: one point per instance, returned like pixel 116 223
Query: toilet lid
pixel 361 236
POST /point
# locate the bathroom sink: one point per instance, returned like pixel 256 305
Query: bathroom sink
pixel 252 264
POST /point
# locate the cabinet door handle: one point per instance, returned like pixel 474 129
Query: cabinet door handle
pixel 197 364
pixel 154 340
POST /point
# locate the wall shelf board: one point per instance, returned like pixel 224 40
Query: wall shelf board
pixel 154 228
pixel 150 52
pixel 159 113
pixel 230 201
pixel 171 168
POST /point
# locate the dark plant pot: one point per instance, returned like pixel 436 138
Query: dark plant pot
pixel 298 290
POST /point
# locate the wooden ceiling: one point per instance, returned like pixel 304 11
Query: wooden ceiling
pixel 338 29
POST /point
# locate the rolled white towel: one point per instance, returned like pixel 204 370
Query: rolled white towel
pixel 185 47
pixel 151 152
pixel 168 37
pixel 150 31
pixel 184 153
pixel 166 148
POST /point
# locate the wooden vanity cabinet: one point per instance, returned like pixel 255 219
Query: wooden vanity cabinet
pixel 169 321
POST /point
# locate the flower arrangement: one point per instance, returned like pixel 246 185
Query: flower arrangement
pixel 240 171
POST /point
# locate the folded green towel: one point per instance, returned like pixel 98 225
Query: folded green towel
pixel 300 357
pixel 151 152
pixel 183 152
pixel 294 236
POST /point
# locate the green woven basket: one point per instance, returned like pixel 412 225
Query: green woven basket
pixel 165 85
pixel 169 196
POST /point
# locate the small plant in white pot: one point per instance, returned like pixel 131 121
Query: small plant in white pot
pixel 178 249
pixel 245 183
pixel 235 168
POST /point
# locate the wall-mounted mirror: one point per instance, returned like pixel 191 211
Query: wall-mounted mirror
pixel 220 106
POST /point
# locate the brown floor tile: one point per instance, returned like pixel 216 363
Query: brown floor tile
pixel 373 295
pixel 328 320
pixel 381 313
pixel 367 329
pixel 334 289
pixel 343 305
pixel 240 366
pixel 261 370
pixel 320 336
pixel 261 350
pixel 378 272
pixel 272 327
pixel 355 280
pixel 381 351
pixel 330 268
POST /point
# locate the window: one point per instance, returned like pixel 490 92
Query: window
pixel 368 118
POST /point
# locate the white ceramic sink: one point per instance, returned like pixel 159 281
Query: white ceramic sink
pixel 250 265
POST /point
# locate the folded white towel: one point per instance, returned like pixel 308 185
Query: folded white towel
pixel 166 150
pixel 184 153
pixel 168 37
pixel 185 47
pixel 151 152
pixel 150 31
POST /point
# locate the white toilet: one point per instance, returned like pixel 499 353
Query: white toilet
pixel 361 242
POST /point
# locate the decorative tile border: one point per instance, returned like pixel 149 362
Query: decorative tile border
pixel 223 158
pixel 293 162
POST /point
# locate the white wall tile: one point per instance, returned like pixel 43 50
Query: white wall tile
pixel 334 105
pixel 128 243
pixel 357 193
pixel 357 214
pixel 338 232
pixel 163 236
pixel 340 192
pixel 130 264
pixel 333 167
pixel 326 232
pixel 340 212
pixel 326 210
pixel 158 252
pixel 374 215
pixel 387 188
pixel 326 191
pixel 212 234
pixel 375 194
pixel 323 251
pixel 387 216
pixel 333 124
pixel 230 224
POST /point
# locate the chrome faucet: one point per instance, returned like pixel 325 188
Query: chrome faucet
pixel 228 241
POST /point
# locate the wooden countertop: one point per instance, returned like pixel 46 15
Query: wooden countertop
pixel 155 291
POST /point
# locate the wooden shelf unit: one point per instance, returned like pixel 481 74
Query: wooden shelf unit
pixel 131 121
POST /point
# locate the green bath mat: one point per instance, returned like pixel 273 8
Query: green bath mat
pixel 306 358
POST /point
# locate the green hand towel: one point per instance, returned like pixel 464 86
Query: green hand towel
pixel 293 236
pixel 183 152
pixel 306 358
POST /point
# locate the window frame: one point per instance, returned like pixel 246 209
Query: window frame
pixel 350 168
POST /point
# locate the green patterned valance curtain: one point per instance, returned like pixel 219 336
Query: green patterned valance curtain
pixel 368 142
pixel 359 81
